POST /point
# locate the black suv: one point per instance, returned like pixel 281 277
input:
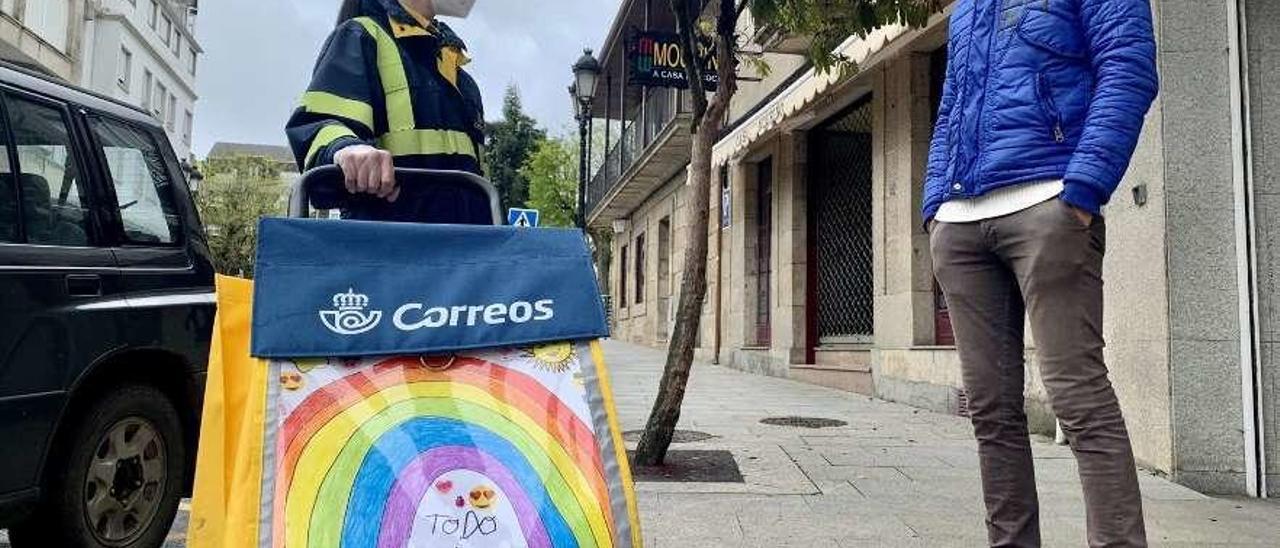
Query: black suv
pixel 106 310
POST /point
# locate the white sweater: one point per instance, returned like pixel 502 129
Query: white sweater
pixel 998 203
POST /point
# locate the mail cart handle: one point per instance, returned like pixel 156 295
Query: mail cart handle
pixel 325 188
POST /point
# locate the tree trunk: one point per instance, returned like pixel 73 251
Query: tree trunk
pixel 707 119
pixel 652 449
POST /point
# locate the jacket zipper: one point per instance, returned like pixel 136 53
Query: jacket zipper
pixel 1050 107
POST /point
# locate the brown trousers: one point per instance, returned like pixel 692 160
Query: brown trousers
pixel 1042 262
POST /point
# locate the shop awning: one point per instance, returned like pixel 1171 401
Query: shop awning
pixel 867 52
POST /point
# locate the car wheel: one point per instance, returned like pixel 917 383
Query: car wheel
pixel 119 478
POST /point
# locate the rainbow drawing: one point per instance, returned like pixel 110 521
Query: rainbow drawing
pixel 497 449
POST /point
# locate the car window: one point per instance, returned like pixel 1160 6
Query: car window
pixel 9 220
pixel 144 191
pixel 53 199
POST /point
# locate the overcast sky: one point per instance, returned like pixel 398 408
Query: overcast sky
pixel 259 54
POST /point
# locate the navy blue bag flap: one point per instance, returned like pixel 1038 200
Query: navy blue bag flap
pixel 350 288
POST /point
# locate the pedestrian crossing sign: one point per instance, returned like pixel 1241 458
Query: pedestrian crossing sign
pixel 523 218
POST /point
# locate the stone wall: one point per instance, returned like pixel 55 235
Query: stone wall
pixel 638 323
pixel 1264 76
pixel 1203 319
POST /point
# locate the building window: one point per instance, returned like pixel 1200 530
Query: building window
pixel 157 101
pixel 154 15
pixel 640 269
pixel 126 68
pixel 177 43
pixel 147 80
pixel 622 278
pixel 192 66
pixel 187 126
pixel 166 29
pixel 172 112
pixel 50 21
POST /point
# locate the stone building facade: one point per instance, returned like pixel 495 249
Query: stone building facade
pixel 819 268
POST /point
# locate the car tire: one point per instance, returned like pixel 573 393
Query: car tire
pixel 91 502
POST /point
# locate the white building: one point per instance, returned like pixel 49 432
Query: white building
pixel 145 52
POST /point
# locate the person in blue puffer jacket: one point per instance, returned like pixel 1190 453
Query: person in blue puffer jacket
pixel 1042 108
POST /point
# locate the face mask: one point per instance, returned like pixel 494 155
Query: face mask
pixel 454 8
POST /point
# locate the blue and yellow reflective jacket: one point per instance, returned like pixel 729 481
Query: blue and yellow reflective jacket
pixel 387 80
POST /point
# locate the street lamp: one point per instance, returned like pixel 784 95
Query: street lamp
pixel 585 72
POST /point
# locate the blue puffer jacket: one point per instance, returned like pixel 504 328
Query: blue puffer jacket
pixel 1041 90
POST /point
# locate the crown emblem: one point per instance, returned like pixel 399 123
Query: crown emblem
pixel 350 300
pixel 349 316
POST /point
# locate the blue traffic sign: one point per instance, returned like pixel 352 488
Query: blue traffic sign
pixel 524 218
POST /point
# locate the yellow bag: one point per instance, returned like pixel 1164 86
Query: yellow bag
pixel 226 507
pixel 488 448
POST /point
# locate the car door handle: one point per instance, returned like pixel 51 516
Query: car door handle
pixel 84 285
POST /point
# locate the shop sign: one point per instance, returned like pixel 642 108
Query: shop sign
pixel 657 59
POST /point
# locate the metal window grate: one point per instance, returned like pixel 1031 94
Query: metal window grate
pixel 840 206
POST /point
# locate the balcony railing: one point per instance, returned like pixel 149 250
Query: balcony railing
pixel 660 109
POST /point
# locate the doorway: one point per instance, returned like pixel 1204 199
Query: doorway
pixel 840 246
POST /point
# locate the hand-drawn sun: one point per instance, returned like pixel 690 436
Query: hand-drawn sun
pixel 554 357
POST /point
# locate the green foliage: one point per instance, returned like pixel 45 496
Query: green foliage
pixel 552 172
pixel 828 23
pixel 511 141
pixel 235 193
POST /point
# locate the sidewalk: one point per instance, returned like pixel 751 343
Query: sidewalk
pixel 895 476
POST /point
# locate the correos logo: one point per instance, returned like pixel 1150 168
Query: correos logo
pixel 349 316
pixel 415 316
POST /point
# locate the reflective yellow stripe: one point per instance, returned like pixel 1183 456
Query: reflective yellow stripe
pixel 427 142
pixel 325 137
pixel 320 102
pixel 394 81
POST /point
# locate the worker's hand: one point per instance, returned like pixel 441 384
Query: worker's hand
pixel 368 170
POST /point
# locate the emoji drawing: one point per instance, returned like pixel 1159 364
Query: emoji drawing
pixel 291 380
pixel 444 486
pixel 482 497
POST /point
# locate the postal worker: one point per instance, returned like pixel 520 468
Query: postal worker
pixel 388 91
